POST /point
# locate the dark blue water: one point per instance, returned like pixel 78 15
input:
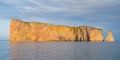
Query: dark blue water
pixel 59 51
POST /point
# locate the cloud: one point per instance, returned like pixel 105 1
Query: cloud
pixel 68 7
pixel 92 10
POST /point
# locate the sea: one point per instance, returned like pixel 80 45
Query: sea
pixel 59 50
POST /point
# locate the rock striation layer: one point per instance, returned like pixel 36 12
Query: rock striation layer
pixel 34 31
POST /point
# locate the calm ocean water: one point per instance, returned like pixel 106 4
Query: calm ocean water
pixel 59 51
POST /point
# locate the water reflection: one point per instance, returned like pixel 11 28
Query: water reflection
pixel 62 51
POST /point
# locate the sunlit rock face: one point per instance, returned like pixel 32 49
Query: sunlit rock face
pixel 109 37
pixel 34 31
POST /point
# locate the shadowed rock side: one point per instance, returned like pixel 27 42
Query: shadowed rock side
pixel 109 37
pixel 34 31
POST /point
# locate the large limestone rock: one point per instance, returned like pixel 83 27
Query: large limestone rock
pixel 34 31
pixel 109 37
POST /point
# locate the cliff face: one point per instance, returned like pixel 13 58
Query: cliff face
pixel 33 31
pixel 109 37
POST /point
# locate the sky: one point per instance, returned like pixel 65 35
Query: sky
pixel 104 14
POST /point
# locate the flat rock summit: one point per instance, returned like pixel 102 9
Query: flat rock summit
pixel 35 31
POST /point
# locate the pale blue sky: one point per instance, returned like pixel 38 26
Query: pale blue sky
pixel 104 14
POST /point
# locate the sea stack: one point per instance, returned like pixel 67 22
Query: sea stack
pixel 36 31
pixel 109 37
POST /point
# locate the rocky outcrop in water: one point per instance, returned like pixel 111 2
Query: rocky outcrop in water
pixel 109 37
pixel 34 31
